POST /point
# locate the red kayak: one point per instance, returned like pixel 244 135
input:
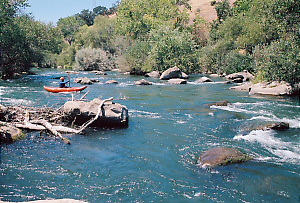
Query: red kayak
pixel 64 89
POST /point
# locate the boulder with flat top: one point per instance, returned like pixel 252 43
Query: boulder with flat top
pixel 218 156
pixel 111 115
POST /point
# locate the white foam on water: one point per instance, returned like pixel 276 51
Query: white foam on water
pixel 242 107
pixel 138 113
pixel 294 123
pixel 16 101
pixel 282 151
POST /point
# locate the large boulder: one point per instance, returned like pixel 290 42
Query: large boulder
pixel 86 81
pixel 171 73
pixel 218 156
pixel 274 88
pixel 242 76
pixel 112 114
pixel 9 133
pixel 153 74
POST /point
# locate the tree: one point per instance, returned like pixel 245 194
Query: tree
pixel 99 10
pixel 101 34
pixel 14 49
pixel 69 27
pixel 87 16
pixel 137 17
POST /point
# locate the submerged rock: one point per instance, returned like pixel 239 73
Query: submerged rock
pixel 112 114
pixel 221 103
pixel 143 82
pixel 111 82
pixel 276 126
pixel 98 72
pixel 218 156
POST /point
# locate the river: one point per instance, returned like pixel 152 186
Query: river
pixel 154 159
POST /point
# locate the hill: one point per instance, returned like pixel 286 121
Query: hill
pixel 204 8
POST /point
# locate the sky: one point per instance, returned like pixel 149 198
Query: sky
pixel 49 11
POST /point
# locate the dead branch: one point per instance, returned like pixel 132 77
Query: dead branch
pixel 49 127
pixel 84 126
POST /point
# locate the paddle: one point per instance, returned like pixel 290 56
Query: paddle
pixel 69 79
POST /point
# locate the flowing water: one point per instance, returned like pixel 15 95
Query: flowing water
pixel 155 158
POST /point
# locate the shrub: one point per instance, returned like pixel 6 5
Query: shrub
pixel 92 59
pixel 171 48
pixel 278 61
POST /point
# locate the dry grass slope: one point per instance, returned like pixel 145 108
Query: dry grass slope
pixel 204 8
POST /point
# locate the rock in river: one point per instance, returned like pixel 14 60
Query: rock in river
pixel 171 73
pixel 112 114
pixel 143 82
pixel 218 156
pixel 153 74
pixel 9 133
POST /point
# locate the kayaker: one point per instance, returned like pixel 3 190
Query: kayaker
pixel 62 84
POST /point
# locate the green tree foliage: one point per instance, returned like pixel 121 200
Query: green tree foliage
pixel 137 17
pixel 24 41
pixel 101 34
pixel 14 52
pixel 135 59
pixel 69 27
pixel 260 25
pixel 164 48
pixel 44 40
pixel 280 61
pixel 172 47
pixel 87 16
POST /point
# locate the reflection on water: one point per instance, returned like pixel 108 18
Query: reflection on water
pixel 154 159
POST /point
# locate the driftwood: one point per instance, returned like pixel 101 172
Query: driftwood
pixel 49 127
pixel 84 126
pixel 41 117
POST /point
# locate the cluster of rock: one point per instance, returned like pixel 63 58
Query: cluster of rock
pixel 85 81
pixel 171 75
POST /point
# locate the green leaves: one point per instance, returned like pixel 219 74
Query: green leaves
pixel 137 17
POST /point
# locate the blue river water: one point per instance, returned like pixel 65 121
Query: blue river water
pixel 155 158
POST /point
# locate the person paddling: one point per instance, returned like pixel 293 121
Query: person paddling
pixel 62 83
